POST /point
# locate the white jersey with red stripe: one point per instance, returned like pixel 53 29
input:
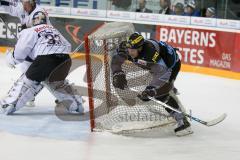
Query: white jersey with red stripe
pixel 40 40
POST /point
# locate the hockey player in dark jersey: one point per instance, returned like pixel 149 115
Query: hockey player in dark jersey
pixel 163 63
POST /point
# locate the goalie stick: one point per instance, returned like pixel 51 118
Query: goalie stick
pixel 78 47
pixel 206 123
pixel 14 35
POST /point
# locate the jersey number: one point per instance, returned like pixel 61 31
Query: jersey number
pixel 53 39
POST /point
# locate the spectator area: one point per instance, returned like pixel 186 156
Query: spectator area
pixel 219 8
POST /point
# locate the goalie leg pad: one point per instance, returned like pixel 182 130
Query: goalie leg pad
pixel 24 66
pixel 18 82
pixel 66 94
pixel 22 92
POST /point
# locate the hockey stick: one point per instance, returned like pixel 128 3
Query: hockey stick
pixel 78 47
pixel 15 36
pixel 206 123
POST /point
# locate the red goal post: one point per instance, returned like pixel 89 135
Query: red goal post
pixel 113 109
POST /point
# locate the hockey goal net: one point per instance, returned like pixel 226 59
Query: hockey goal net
pixel 113 109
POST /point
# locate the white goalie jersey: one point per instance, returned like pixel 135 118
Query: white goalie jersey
pixel 16 9
pixel 40 40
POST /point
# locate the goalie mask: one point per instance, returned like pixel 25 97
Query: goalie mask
pixel 135 41
pixel 39 18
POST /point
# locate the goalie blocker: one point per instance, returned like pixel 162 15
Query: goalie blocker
pixel 162 61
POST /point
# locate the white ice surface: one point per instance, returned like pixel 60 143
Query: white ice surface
pixel 37 134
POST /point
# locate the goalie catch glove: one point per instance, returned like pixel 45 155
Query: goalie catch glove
pixel 150 91
pixel 119 80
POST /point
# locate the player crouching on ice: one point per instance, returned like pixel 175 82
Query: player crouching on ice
pixel 49 51
pixel 163 63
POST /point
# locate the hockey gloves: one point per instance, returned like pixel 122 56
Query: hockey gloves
pixel 150 91
pixel 119 80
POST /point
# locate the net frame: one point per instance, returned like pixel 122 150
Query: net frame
pixel 100 34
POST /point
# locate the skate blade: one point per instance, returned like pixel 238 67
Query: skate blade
pixel 7 110
pixel 184 132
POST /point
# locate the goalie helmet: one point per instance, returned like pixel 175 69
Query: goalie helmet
pixel 135 41
pixel 39 18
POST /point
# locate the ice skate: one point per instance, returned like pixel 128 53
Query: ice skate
pixel 184 128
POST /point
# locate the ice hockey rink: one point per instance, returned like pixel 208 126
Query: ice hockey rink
pixel 36 133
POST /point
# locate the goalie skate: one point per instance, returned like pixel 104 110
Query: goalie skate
pixel 7 109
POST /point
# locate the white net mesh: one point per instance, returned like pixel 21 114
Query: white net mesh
pixel 119 110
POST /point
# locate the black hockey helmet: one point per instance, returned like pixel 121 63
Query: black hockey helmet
pixel 135 41
pixel 39 18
